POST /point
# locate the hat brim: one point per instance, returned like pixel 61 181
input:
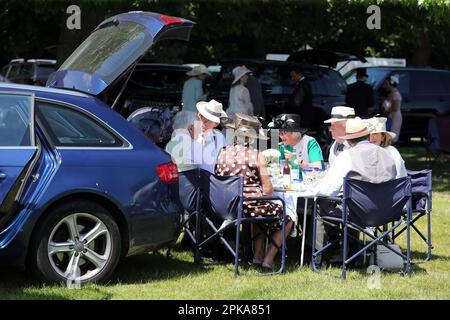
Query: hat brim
pixel 357 135
pixel 204 112
pixel 237 79
pixel 332 120
pixel 251 134
pixel 193 74
pixel 391 134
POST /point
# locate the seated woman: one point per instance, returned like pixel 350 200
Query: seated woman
pixel 308 152
pixel 242 159
pixel 383 138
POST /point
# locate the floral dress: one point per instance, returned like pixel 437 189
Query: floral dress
pixel 243 161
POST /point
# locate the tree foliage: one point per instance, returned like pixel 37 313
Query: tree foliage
pixel 416 30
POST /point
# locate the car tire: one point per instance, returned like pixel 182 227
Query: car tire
pixel 91 256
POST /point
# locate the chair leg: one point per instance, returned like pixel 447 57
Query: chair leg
pixel 408 243
pixel 313 244
pixel 236 257
pixel 344 254
pixel 198 233
pixel 429 234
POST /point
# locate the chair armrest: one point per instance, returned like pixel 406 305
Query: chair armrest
pixel 337 199
pixel 263 198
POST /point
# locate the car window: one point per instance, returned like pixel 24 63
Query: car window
pixel 14 71
pixel 445 79
pixel 327 83
pixel 404 82
pixel 164 80
pixel 43 71
pixel 427 82
pixel 72 128
pixel 15 121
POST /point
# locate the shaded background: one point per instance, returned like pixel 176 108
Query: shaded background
pixel 416 30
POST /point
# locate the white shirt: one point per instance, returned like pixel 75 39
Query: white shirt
pixel 192 93
pixel 182 150
pixel 332 155
pixel 399 162
pixel 239 101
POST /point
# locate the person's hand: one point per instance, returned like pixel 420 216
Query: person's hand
pixel 288 155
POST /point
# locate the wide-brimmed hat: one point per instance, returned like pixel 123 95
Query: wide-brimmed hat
pixel 379 126
pixel 239 72
pixel 356 128
pixel 244 125
pixel 288 122
pixel 211 110
pixel 198 70
pixel 341 113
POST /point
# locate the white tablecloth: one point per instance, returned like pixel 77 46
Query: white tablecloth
pixel 291 198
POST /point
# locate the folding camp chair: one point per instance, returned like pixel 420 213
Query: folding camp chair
pixel 225 199
pixel 365 205
pixel 421 187
pixel 190 197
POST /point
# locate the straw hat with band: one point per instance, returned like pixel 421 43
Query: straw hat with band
pixel 341 113
pixel 379 126
pixel 211 110
pixel 198 70
pixel 288 122
pixel 244 125
pixel 239 72
pixel 356 128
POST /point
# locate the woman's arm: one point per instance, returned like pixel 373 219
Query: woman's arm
pixel 265 179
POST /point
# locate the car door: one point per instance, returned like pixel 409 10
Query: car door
pixel 17 146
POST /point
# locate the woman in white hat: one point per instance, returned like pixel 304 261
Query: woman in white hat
pixel 242 159
pixel 392 105
pixel 383 138
pixel 239 95
pixel 193 87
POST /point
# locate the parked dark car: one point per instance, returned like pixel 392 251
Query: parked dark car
pixel 80 186
pixel 328 89
pixel 31 71
pixel 425 93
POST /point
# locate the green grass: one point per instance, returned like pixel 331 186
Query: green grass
pixel 156 276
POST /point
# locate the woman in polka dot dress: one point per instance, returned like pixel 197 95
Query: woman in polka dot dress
pixel 242 160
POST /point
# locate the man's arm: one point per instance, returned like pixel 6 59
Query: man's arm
pixel 332 183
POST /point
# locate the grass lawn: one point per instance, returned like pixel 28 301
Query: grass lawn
pixel 156 276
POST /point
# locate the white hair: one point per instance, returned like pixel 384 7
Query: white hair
pixel 184 119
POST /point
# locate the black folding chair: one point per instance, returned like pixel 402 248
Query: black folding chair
pixel 365 205
pixel 224 196
pixel 190 197
pixel 421 187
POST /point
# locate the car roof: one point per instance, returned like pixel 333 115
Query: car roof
pixel 407 68
pixel 43 90
pixel 162 66
pixel 238 61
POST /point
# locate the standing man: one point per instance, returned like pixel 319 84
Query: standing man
pixel 360 94
pixel 339 117
pixel 193 88
pixel 301 99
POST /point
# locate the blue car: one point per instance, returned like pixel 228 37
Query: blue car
pixel 80 187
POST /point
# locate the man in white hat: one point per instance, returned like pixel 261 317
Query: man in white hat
pixel 193 87
pixel 339 117
pixel 212 140
pixel 363 161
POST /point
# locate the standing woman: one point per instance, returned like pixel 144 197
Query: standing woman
pixel 239 95
pixel 392 105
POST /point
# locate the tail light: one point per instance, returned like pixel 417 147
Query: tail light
pixel 168 172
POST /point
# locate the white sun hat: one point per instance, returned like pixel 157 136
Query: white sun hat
pixel 239 72
pixel 198 70
pixel 379 126
pixel 356 128
pixel 211 110
pixel 341 113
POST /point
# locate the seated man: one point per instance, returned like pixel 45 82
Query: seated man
pixel 363 161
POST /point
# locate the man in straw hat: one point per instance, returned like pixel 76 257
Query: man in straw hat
pixel 212 140
pixel 339 117
pixel 193 87
pixel 363 161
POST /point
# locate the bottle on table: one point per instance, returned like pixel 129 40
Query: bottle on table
pixel 295 168
pixel 286 175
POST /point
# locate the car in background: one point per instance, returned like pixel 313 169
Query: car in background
pixel 328 89
pixel 80 187
pixel 31 71
pixel 425 94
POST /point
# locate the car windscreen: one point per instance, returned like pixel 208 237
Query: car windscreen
pixel 376 76
pixel 43 71
pixel 110 50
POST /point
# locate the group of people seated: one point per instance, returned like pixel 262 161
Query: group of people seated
pixel 361 149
